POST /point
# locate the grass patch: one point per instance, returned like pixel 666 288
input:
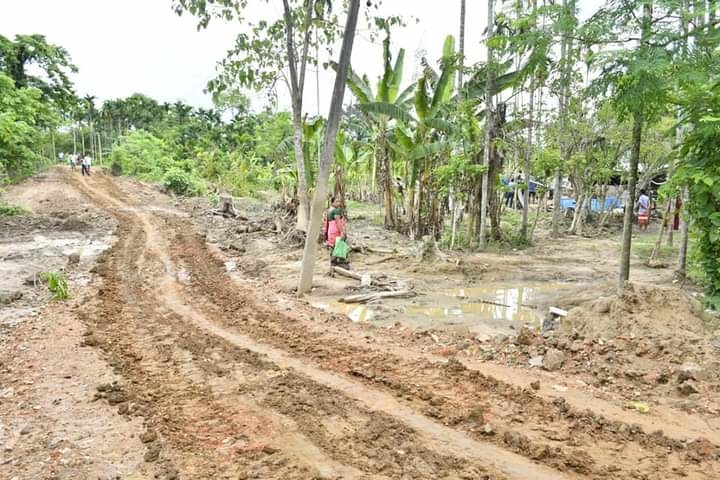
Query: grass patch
pixel 645 243
pixel 373 213
pixel 57 285
pixel 9 210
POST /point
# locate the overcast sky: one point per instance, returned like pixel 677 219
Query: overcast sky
pixel 127 46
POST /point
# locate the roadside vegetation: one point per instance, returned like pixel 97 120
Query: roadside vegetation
pixel 57 284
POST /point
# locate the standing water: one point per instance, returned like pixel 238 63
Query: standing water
pixel 487 309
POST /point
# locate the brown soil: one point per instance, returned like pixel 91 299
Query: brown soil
pixel 221 376
pixel 642 310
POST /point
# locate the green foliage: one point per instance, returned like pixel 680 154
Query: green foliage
pixel 57 284
pixel 26 56
pixel 191 150
pixel 23 117
pixel 259 59
pixel 145 156
pixel 180 182
pixel 700 173
pixel 9 210
pixel 248 176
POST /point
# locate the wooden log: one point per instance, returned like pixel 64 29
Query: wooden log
pixel 367 297
pixel 384 251
pixel 347 273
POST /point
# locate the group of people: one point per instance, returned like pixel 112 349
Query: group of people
pixel 83 160
pixel 514 187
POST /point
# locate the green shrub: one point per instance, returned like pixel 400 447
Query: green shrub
pixel 57 285
pixel 180 182
pixel 8 210
pixel 141 154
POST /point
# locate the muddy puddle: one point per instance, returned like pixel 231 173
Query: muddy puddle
pixel 38 253
pixel 487 309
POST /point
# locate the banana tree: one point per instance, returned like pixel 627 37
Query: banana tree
pixel 351 158
pixel 380 108
pixel 432 96
pixel 312 132
pixel 419 138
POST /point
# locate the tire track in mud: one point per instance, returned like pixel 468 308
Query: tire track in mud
pixel 197 391
pixel 545 431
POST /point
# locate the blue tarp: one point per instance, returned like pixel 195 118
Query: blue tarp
pixel 610 203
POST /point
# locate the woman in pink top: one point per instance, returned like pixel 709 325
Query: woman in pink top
pixel 335 222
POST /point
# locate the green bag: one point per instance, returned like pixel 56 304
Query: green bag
pixel 341 249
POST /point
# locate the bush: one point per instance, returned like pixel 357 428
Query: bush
pixel 180 182
pixel 141 154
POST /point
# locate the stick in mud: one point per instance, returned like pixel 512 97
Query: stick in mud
pixel 368 297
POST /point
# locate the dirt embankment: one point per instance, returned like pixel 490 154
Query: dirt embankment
pixel 642 310
pixel 231 379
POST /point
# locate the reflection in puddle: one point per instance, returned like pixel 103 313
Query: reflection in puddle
pixel 355 312
pixel 511 304
pixel 487 309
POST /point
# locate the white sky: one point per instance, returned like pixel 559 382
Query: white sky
pixel 127 46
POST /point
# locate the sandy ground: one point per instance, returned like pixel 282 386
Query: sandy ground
pixel 183 354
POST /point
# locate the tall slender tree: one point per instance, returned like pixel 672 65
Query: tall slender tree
pixel 489 115
pixel 275 51
pixel 326 159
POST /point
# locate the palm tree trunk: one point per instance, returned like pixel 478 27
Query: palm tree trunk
pixel 333 122
pixel 52 139
pixel 100 153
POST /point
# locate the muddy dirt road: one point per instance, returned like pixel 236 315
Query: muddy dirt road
pixel 219 378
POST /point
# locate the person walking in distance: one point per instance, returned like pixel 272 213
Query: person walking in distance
pixel 86 161
pixel 643 210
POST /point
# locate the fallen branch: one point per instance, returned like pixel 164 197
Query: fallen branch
pixel 381 281
pixel 359 247
pixel 367 297
pixel 347 273
pixel 222 213
pixel 383 260
pixel 497 304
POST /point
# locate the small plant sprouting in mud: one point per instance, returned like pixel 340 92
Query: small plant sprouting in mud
pixel 9 210
pixel 57 285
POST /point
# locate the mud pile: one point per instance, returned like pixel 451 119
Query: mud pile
pixel 641 310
